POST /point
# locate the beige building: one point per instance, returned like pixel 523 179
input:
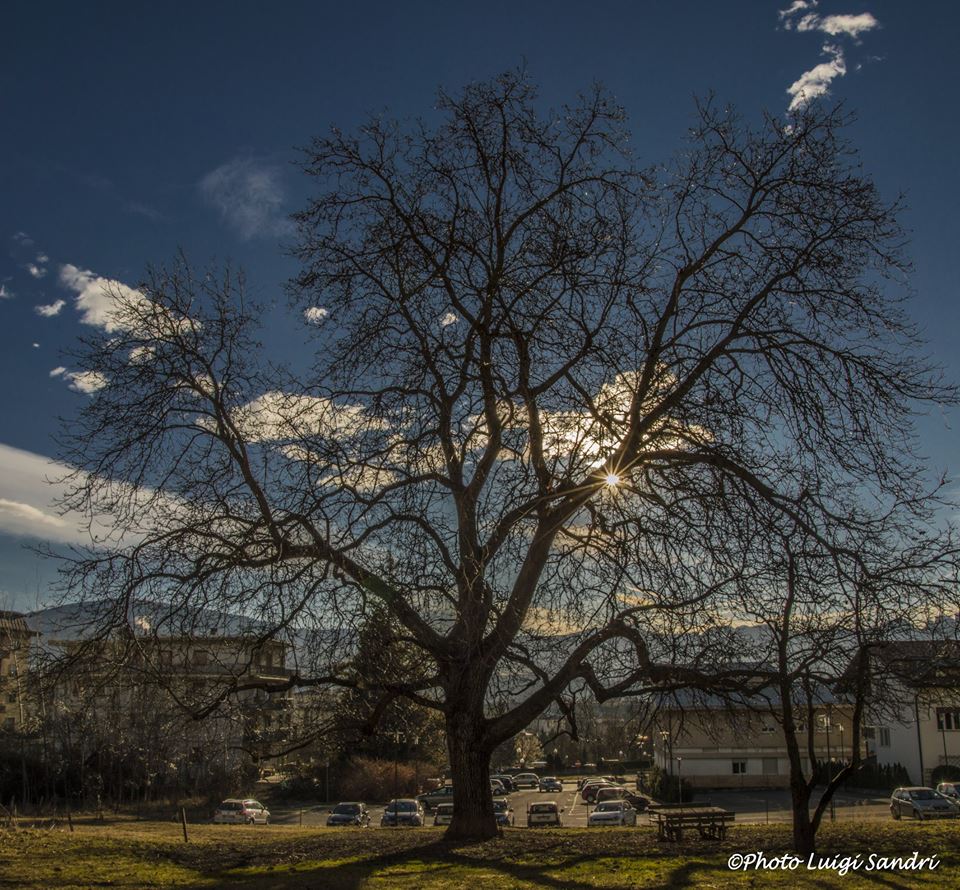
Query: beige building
pixel 914 715
pixel 713 744
pixel 15 637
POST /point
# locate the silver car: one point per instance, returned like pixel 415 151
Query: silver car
pixel 245 811
pixel 612 812
pixel 921 803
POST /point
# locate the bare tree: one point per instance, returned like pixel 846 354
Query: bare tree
pixel 795 637
pixel 539 371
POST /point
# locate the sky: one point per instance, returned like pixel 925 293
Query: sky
pixel 134 130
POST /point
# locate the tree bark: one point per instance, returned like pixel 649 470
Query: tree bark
pixel 473 817
pixel 804 834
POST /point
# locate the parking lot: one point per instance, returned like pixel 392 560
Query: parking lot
pixel 750 807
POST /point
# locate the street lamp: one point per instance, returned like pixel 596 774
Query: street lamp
pixel 843 758
pixel 679 779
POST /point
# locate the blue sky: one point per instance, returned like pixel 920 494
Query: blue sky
pixel 134 129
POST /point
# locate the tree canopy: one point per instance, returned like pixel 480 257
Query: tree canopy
pixel 549 387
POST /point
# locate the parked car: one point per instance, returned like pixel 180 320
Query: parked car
pixel 497 787
pixel 526 780
pixel 550 783
pixel 503 811
pixel 443 814
pixel 921 803
pixel 351 813
pixel 614 792
pixel 246 811
pixel 612 812
pixel 589 791
pixel 443 794
pixel 506 781
pixel 543 814
pixel 951 791
pixel 403 811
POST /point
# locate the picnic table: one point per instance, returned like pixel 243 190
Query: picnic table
pixel 671 821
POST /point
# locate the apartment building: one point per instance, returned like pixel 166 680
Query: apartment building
pixel 716 743
pixel 15 637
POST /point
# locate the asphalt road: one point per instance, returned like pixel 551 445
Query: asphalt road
pixel 750 807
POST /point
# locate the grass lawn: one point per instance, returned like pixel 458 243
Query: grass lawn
pixel 132 854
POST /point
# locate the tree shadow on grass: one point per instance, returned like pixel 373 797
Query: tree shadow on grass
pixel 442 861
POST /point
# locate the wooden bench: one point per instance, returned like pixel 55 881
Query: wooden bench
pixel 711 822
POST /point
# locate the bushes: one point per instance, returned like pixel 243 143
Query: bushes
pixel 946 772
pixel 367 778
pixel 668 789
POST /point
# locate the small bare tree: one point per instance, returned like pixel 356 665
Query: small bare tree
pixel 538 371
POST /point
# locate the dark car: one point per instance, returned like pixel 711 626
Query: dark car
pixel 551 783
pixel 351 813
pixel 921 803
pixel 605 793
pixel 503 811
pixel 403 811
pixel 506 781
pixel 431 799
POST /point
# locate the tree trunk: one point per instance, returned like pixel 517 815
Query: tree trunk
pixel 804 834
pixel 473 817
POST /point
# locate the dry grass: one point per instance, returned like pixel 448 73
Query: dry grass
pixel 129 854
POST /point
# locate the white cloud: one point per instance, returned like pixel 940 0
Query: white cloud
pixel 30 486
pixel 4 293
pixel 448 319
pixel 35 270
pixel 50 310
pixel 42 258
pixel 249 196
pixel 26 496
pixel 835 25
pixel 87 382
pixel 315 314
pixel 816 82
pixel 793 9
pixel 103 302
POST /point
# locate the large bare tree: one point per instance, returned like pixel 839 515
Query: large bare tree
pixel 540 375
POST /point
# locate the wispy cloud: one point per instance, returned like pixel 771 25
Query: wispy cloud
pixel 50 310
pixel 5 293
pixel 816 81
pixel 35 270
pixel 835 25
pixel 250 196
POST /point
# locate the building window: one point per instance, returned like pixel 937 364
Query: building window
pixel 768 729
pixel 12 698
pixel 884 737
pixel 199 658
pixel 948 719
pixel 739 767
pixel 9 723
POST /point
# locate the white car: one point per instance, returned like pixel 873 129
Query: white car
pixel 612 812
pixel 543 814
pixel 246 811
